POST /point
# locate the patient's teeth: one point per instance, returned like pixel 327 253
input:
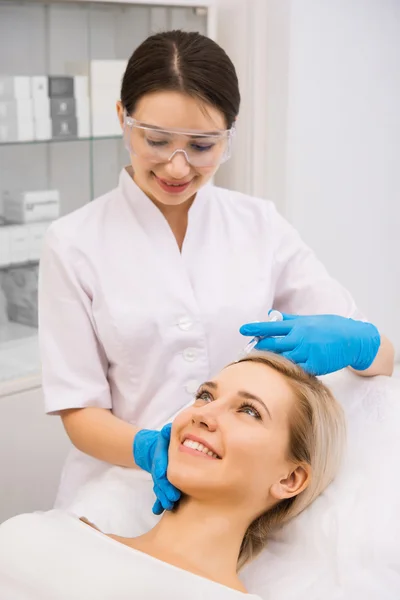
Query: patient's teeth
pixel 199 447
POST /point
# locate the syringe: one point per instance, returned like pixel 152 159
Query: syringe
pixel 274 315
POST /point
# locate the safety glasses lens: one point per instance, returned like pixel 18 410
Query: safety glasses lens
pixel 160 146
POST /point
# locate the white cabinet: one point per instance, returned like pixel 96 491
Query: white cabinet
pixel 33 447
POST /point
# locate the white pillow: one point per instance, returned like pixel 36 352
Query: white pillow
pixel 347 544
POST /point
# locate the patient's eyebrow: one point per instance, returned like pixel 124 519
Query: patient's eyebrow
pixel 249 396
pixel 210 384
pixel 241 393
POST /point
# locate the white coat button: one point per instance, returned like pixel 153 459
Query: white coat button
pixel 185 323
pixel 190 354
pixel 192 386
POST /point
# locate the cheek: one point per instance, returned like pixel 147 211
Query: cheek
pixel 257 457
pixel 206 174
pixel 182 419
pixel 141 167
pixel 180 423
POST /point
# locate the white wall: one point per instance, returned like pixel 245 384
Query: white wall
pixel 327 77
pixel 343 145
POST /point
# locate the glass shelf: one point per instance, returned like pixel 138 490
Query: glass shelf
pixel 25 263
pixel 62 38
pixel 61 140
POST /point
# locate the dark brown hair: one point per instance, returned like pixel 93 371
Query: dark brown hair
pixel 186 62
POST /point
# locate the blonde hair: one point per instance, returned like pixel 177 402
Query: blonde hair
pixel 317 438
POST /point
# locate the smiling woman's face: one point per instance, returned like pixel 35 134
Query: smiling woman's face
pixel 242 416
pixel 170 110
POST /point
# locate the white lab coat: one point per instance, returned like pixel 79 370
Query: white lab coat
pixel 128 322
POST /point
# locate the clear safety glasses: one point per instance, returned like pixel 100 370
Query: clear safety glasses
pixel 160 145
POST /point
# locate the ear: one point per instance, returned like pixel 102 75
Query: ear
pixel 293 484
pixel 120 113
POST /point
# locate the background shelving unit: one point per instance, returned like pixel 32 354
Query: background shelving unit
pixel 45 38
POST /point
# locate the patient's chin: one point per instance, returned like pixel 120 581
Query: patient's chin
pixel 190 480
pixel 181 477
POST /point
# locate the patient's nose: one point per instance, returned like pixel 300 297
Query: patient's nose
pixel 204 420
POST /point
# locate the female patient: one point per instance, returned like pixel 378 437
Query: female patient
pixel 261 441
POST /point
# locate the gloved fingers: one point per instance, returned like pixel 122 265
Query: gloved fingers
pixel 297 355
pixel 289 317
pixel 267 329
pixel 160 458
pixel 170 491
pixel 308 368
pixel 166 431
pixel 144 445
pixel 276 344
pixel 157 508
pixel 165 503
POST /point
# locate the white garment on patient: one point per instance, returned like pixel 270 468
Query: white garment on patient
pixel 54 556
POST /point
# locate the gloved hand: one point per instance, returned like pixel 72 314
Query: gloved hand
pixel 320 344
pixel 150 451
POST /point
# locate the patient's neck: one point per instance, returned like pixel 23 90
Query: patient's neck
pixel 200 538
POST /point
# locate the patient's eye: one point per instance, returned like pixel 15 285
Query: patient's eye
pixel 250 409
pixel 204 395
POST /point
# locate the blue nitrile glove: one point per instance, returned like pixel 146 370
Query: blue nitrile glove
pixel 320 344
pixel 150 451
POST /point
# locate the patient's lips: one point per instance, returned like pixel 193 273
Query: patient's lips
pixel 198 447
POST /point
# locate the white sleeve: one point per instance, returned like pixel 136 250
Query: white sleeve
pixel 74 363
pixel 302 284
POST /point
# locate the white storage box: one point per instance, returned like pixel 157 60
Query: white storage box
pixel 5 246
pixel 19 246
pixel 40 87
pixel 41 108
pixel 16 110
pixel 83 116
pixel 105 124
pixel 107 74
pixel 105 78
pixel 104 115
pixel 42 129
pixel 16 131
pixel 14 87
pixel 83 128
pixel 81 86
pixel 36 233
pixel 30 207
